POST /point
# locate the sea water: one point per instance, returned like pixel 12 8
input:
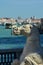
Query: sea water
pixel 9 41
pixel 41 40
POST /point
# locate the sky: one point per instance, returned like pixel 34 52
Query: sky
pixel 22 8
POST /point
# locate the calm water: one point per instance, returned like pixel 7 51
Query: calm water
pixel 8 41
pixel 11 41
pixel 41 40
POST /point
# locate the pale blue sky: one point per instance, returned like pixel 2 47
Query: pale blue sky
pixel 23 8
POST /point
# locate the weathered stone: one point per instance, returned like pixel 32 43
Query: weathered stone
pixel 15 62
pixel 33 42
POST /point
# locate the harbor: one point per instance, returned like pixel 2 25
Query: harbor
pixel 11 41
pixel 21 32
